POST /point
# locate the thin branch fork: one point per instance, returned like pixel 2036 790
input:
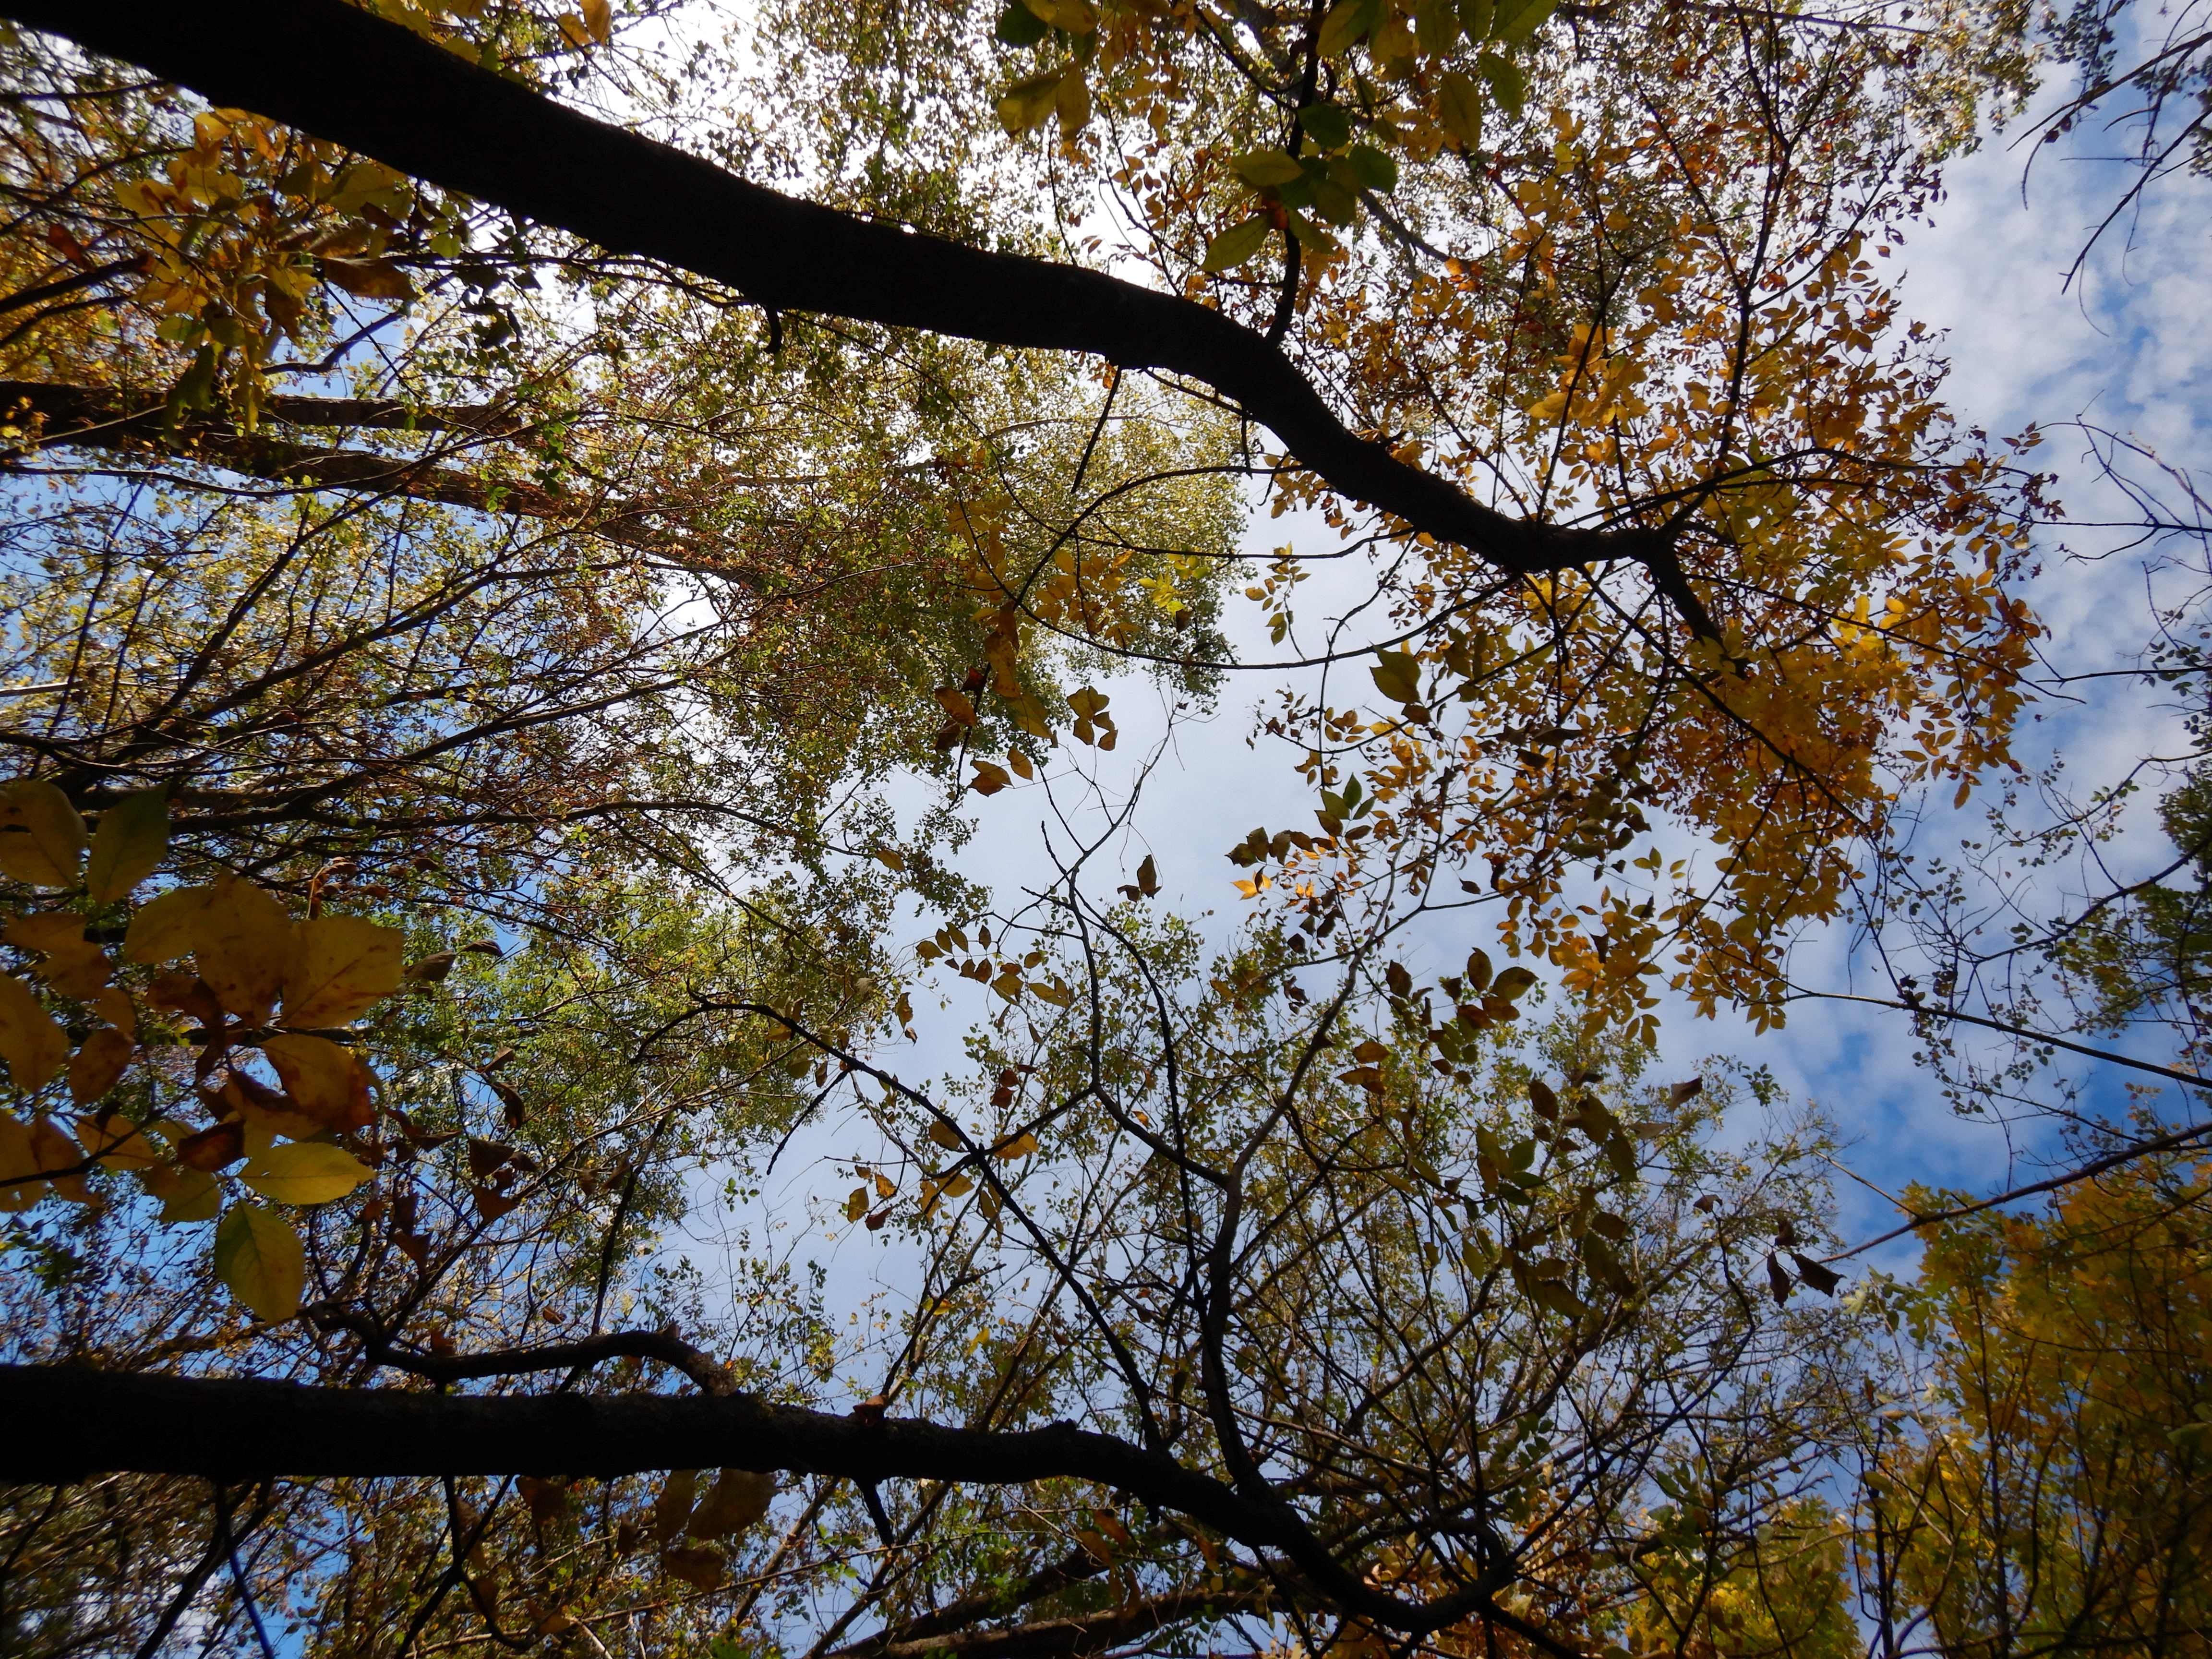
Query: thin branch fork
pixel 336 70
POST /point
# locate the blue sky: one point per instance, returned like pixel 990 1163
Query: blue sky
pixel 2125 345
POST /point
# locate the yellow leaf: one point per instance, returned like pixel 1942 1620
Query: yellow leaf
pixel 1075 16
pixel 572 30
pixel 113 1006
pixel 187 1195
pixel 55 1151
pixel 113 1139
pixel 856 1206
pixel 344 965
pixel 945 1135
pixel 1029 103
pixel 56 932
pixel 98 1066
pixel 33 1045
pixel 988 778
pixel 1397 676
pixel 1020 1147
pixel 242 944
pixel 259 1256
pixel 263 1113
pixel 885 1188
pixel 378 279
pixel 164 926
pixel 599 19
pixel 1072 102
pixel 73 966
pixel 304 1172
pixel 41 837
pixel 327 1080
pixel 130 842
pixel 20 1189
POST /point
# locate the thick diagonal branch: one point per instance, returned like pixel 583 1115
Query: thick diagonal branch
pixel 332 69
pixel 241 1428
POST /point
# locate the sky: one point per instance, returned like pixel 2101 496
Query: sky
pixel 2124 344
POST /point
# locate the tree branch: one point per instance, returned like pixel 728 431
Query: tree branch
pixel 91 416
pixel 246 1429
pixel 1084 1633
pixel 333 70
pixel 89 405
pixel 969 1609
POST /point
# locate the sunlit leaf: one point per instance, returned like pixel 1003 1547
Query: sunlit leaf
pixel 32 1043
pixel 242 942
pixel 259 1256
pixel 42 839
pixel 20 1163
pixel 343 967
pixel 303 1172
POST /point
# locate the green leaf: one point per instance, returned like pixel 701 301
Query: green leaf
pixel 1020 27
pixel 1517 23
pixel 1435 25
pixel 1513 984
pixel 195 387
pixel 1507 84
pixel 1397 676
pixel 129 844
pixel 1327 125
pixel 261 1259
pixel 1477 17
pixel 1073 16
pixel 1459 108
pixel 1234 245
pixel 1028 105
pixel 1263 167
pixel 1333 202
pixel 1311 234
pixel 1374 168
pixel 1349 22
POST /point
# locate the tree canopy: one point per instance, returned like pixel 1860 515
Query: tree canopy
pixel 537 541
